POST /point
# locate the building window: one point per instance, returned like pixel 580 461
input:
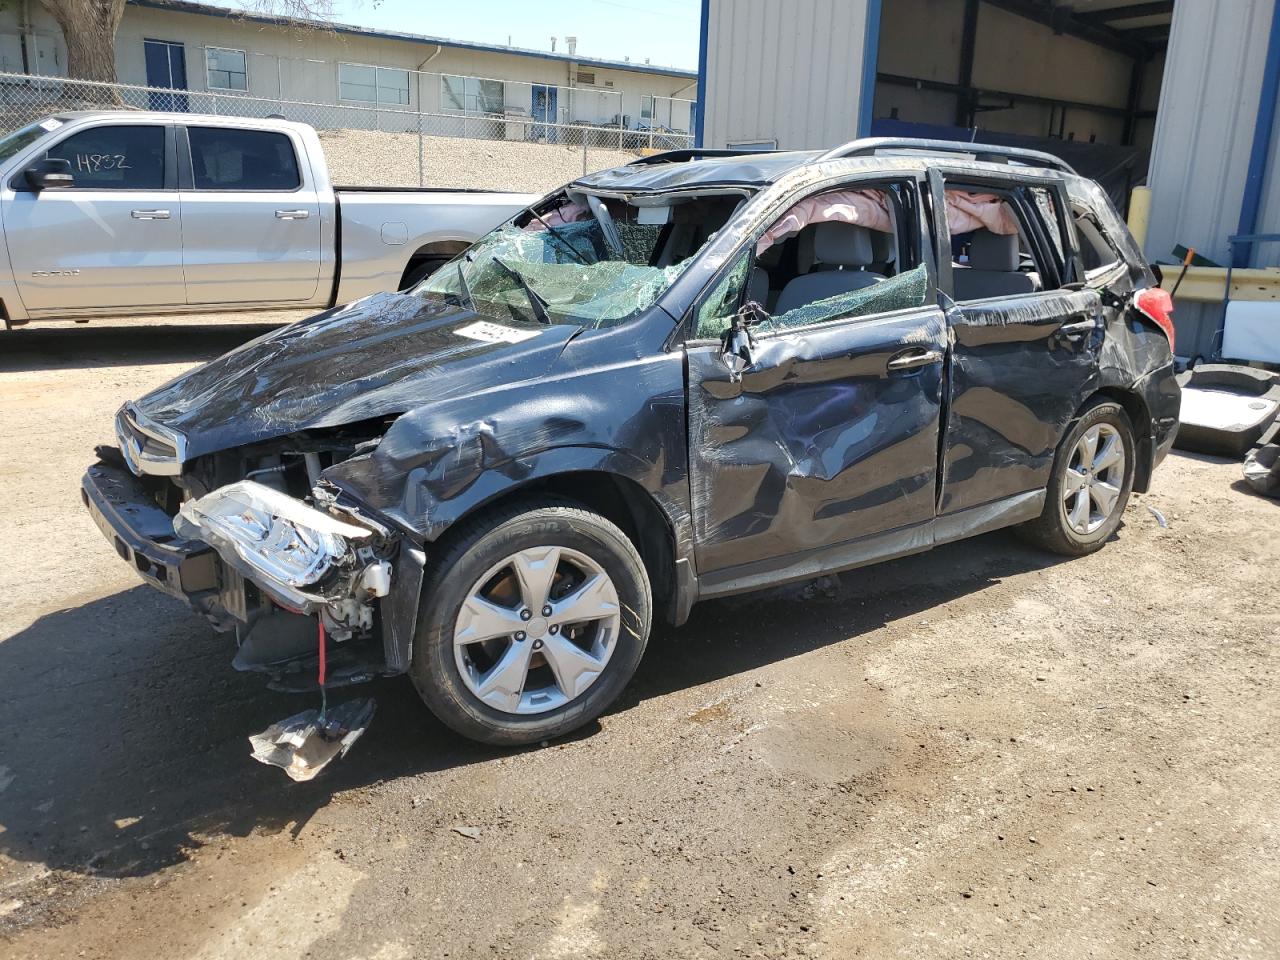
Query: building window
pixel 368 84
pixel 646 107
pixel 226 69
pixel 471 95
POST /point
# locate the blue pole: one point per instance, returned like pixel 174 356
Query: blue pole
pixel 870 51
pixel 1267 102
pixel 702 74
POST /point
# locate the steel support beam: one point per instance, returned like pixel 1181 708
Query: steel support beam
pixel 1134 11
pixel 968 41
pixel 1063 20
pixel 942 86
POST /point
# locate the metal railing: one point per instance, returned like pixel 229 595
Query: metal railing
pixel 377 144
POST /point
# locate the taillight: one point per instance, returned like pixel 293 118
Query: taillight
pixel 1156 305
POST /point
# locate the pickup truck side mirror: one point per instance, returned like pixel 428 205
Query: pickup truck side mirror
pixel 49 174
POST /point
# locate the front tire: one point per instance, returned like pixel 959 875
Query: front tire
pixel 534 621
pixel 1090 485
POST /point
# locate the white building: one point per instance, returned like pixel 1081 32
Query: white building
pixel 200 48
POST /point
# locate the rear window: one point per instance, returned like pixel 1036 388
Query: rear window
pixel 223 159
pixel 1096 247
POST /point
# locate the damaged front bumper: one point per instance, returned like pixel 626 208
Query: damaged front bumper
pixel 302 559
pixel 143 535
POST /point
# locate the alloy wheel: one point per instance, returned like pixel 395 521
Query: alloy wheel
pixel 1095 477
pixel 536 630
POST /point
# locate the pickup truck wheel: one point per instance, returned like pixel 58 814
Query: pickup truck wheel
pixel 533 623
pixel 1090 486
pixel 418 272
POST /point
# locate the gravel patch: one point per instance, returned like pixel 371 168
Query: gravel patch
pixel 374 158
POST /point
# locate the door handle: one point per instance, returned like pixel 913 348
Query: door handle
pixel 149 214
pixel 913 358
pixel 292 214
pixel 1080 326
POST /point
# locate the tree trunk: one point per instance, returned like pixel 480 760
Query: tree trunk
pixel 89 29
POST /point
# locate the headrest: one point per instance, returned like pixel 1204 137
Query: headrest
pixel 771 257
pixel 842 244
pixel 882 247
pixel 994 252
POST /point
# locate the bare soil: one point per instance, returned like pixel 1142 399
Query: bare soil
pixel 378 158
pixel 983 751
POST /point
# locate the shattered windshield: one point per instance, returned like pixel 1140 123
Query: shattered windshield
pixel 582 259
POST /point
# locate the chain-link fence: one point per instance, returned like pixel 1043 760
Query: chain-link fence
pixel 387 144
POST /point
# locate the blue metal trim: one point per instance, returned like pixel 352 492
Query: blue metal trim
pixel 201 9
pixel 1258 156
pixel 870 53
pixel 703 30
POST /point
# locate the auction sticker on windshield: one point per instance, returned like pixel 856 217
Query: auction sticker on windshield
pixel 494 332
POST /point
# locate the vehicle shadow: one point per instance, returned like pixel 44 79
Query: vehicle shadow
pixel 737 634
pixel 67 346
pixel 124 727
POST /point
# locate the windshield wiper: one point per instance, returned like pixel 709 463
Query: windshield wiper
pixel 536 303
pixel 563 242
pixel 468 301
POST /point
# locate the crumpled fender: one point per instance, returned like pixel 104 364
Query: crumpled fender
pixel 440 462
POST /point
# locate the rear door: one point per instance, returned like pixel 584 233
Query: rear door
pixel 824 453
pixel 112 240
pixel 251 217
pixel 1025 352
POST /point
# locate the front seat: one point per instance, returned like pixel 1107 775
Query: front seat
pixel 845 246
pixel 993 269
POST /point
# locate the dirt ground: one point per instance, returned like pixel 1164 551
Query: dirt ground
pixel 980 752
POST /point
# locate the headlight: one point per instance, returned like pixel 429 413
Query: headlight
pixel 277 536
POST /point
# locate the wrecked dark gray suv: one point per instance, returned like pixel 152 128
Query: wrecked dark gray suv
pixel 695 375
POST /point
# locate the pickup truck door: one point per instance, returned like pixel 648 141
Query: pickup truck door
pixel 251 226
pixel 111 240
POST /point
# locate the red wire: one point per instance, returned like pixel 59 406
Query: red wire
pixel 321 623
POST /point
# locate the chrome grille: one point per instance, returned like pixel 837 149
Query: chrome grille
pixel 147 449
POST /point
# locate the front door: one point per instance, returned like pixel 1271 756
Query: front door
pixel 111 240
pixel 1025 348
pixel 545 112
pixel 829 440
pixel 251 230
pixel 167 68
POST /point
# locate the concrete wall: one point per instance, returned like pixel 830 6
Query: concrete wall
pixel 303 64
pixel 787 72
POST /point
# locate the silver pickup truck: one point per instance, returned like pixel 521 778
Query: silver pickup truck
pixel 124 212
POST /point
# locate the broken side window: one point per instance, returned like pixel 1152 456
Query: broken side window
pixel 723 300
pixel 836 255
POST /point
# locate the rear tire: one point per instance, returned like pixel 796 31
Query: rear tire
pixel 418 272
pixel 534 621
pixel 1090 484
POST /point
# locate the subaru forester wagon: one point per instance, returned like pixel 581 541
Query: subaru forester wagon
pixel 698 374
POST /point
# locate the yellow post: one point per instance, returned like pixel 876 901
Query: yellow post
pixel 1140 214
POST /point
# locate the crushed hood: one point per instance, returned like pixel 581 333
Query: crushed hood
pixel 380 356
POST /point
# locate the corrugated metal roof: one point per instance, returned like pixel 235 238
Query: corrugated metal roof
pixel 204 9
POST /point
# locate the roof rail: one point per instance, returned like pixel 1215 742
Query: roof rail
pixel 987 152
pixel 680 156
